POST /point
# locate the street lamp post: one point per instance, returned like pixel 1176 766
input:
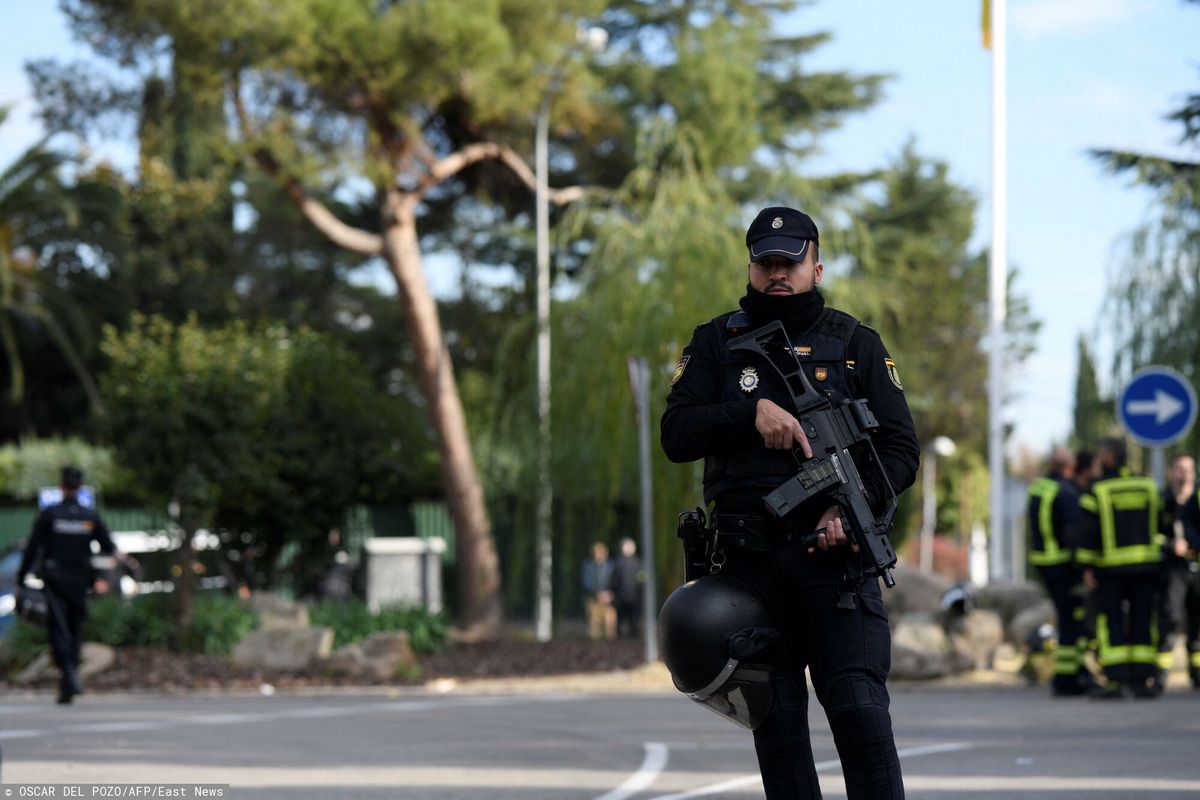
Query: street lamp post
pixel 941 446
pixel 593 40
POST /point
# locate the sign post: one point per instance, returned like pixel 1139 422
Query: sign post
pixel 1157 408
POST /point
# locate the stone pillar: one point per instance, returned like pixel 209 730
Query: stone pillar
pixel 404 571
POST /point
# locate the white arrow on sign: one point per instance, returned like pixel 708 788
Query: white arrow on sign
pixel 1163 407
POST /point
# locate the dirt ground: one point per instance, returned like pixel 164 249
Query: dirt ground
pixel 151 669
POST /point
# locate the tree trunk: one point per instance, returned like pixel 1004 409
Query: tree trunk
pixel 478 570
pixel 185 588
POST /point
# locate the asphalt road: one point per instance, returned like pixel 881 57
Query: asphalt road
pixel 974 743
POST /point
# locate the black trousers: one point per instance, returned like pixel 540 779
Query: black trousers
pixel 628 615
pixel 68 611
pixel 1125 602
pixel 1064 584
pixel 848 655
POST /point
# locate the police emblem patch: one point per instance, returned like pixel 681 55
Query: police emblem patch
pixel 777 223
pixel 892 373
pixel 820 373
pixel 749 380
pixel 679 368
pixel 802 350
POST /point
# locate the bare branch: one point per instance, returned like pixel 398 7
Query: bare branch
pixel 480 151
pixel 324 220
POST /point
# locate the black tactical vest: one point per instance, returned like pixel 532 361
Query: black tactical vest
pixel 822 353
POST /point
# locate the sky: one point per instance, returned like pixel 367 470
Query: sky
pixel 1081 74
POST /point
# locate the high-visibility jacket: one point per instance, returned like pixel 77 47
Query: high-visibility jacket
pixel 1049 508
pixel 1120 522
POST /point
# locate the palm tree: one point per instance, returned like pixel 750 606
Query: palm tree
pixel 31 304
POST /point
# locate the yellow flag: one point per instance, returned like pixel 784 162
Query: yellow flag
pixel 985 23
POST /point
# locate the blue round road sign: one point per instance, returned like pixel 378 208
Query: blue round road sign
pixel 1157 406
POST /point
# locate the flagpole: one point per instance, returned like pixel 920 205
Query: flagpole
pixel 997 291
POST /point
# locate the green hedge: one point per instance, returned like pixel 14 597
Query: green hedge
pixel 218 623
pixel 352 621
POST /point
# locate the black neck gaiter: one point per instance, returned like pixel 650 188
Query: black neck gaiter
pixel 798 312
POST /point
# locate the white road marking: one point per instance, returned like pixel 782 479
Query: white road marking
pixel 223 719
pixel 654 762
pixel 822 766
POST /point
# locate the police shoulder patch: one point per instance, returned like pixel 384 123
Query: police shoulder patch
pixel 892 373
pixel 679 368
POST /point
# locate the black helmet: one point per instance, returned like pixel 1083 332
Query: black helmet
pixel 713 634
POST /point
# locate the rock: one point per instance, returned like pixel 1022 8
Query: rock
pixel 381 656
pixel 275 612
pixel 41 667
pixel 94 658
pixel 920 649
pixel 915 591
pixel 976 636
pixel 1022 626
pixel 1009 598
pixel 284 648
pixel 348 660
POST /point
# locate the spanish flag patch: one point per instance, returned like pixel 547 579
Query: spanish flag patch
pixel 679 368
pixel 892 373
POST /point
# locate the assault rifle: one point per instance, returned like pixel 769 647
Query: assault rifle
pixel 833 430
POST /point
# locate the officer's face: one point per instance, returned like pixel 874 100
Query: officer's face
pixel 776 275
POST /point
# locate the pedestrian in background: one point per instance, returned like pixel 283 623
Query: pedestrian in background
pixel 628 577
pixel 597 590
pixel 60 553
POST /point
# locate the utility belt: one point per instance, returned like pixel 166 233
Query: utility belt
pixel 759 532
pixel 704 545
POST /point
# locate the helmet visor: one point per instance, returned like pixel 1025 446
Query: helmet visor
pixel 745 698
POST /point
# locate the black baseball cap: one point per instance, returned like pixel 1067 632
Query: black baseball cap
pixel 780 231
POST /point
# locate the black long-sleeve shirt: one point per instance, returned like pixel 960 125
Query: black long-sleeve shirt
pixel 60 544
pixel 698 422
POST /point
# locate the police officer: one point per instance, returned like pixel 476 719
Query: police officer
pixel 733 410
pixel 60 551
pixel 1177 605
pixel 1053 506
pixel 1121 550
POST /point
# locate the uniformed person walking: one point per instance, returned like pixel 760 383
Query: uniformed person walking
pixel 1052 509
pixel 60 552
pixel 1120 550
pixel 734 411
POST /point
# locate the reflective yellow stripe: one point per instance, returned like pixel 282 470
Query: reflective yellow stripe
pixel 1112 656
pixel 1127 494
pixel 1143 654
pixel 1066 661
pixel 1194 659
pixel 1046 490
pixel 1166 660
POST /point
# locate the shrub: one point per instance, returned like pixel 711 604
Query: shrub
pixel 352 621
pixel 218 622
pixel 118 622
pixel 21 645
